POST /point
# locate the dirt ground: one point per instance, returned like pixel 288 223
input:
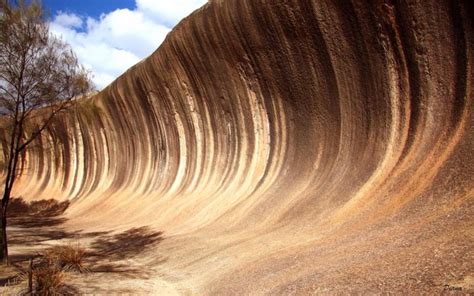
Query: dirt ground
pixel 111 258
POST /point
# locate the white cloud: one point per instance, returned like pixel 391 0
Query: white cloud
pixel 168 12
pixel 68 20
pixel 110 45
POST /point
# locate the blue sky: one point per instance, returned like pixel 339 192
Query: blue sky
pixel 87 7
pixel 110 36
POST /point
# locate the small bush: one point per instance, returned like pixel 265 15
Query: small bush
pixel 49 280
pixel 66 257
pixel 45 208
pixel 48 207
pixel 49 272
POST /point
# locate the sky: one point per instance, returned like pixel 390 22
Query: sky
pixel 110 36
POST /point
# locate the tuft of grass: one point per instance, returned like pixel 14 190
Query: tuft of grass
pixel 66 257
pixel 49 280
pixel 50 271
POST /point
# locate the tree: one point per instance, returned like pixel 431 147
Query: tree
pixel 40 77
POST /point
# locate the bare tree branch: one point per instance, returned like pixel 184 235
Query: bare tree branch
pixel 39 77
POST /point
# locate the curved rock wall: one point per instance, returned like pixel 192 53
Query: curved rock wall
pixel 284 145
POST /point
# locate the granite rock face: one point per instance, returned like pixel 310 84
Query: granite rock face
pixel 285 146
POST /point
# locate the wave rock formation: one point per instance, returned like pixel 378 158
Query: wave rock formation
pixel 284 146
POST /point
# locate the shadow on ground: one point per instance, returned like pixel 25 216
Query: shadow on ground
pixel 32 225
pixel 126 244
pixel 106 252
pixel 111 253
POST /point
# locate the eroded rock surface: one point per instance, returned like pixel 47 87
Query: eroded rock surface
pixel 285 146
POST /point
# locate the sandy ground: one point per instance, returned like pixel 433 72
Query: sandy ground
pixel 110 258
pixel 137 262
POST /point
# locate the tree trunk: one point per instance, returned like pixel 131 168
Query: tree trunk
pixel 3 234
pixel 3 238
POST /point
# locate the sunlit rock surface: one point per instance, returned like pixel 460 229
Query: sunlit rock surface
pixel 285 146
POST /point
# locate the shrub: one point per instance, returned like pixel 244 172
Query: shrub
pixel 66 257
pixel 49 280
pixel 48 207
pixel 49 272
pixel 44 208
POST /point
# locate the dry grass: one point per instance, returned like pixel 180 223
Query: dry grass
pixel 50 271
pixel 66 257
pixel 10 277
pixel 49 280
pixel 6 291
